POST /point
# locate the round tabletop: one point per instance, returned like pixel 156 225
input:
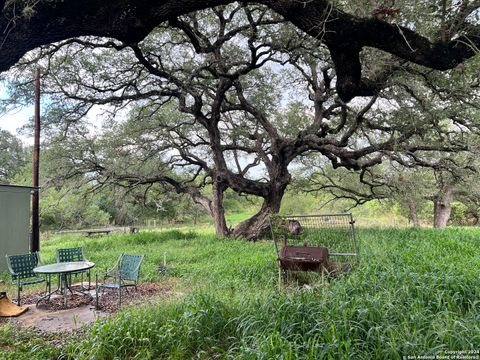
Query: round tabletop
pixel 63 267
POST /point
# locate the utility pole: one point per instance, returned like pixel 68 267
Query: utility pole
pixel 35 240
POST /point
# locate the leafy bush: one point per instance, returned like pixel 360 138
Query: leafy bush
pixel 70 211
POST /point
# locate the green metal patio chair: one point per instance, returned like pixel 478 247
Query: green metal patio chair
pixel 21 268
pixel 125 273
pixel 74 254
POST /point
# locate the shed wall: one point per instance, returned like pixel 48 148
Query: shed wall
pixel 14 222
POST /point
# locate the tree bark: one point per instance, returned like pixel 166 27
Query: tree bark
pixel 256 226
pixel 413 215
pixel 218 211
pixel 442 206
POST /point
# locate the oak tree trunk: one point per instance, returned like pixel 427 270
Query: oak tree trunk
pixel 214 207
pixel 442 206
pixel 256 226
pixel 218 211
pixel 253 228
pixel 413 214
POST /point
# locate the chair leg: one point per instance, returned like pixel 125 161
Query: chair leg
pixel 19 288
pixel 96 291
pixel 49 277
pixel 65 289
pixel 119 296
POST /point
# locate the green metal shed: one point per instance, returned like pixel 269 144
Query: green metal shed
pixel 14 221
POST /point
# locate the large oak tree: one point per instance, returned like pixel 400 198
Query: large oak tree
pixel 208 98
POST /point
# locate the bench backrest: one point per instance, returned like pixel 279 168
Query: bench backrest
pixel 21 266
pixel 336 232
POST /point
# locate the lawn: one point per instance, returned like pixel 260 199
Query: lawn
pixel 415 292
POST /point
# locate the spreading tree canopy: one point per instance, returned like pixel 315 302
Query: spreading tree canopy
pixel 439 34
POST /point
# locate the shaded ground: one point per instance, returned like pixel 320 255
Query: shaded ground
pixel 52 316
pixel 57 321
pixel 145 293
pixel 107 298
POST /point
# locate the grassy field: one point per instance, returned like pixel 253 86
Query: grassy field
pixel 415 292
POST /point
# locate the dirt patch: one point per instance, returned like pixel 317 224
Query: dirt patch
pixel 51 317
pixel 73 301
pixel 55 303
pixel 145 293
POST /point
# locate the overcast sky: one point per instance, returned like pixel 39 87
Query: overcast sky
pixel 15 119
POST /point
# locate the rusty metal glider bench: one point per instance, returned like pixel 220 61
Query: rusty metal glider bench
pixel 324 243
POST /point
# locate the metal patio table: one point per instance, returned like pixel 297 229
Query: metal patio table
pixel 63 270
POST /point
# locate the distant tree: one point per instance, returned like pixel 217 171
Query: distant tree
pixel 70 208
pixel 411 188
pixel 461 187
pixel 66 204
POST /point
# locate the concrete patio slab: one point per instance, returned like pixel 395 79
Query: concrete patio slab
pixel 58 321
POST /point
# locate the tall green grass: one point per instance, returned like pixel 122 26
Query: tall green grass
pixel 415 292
